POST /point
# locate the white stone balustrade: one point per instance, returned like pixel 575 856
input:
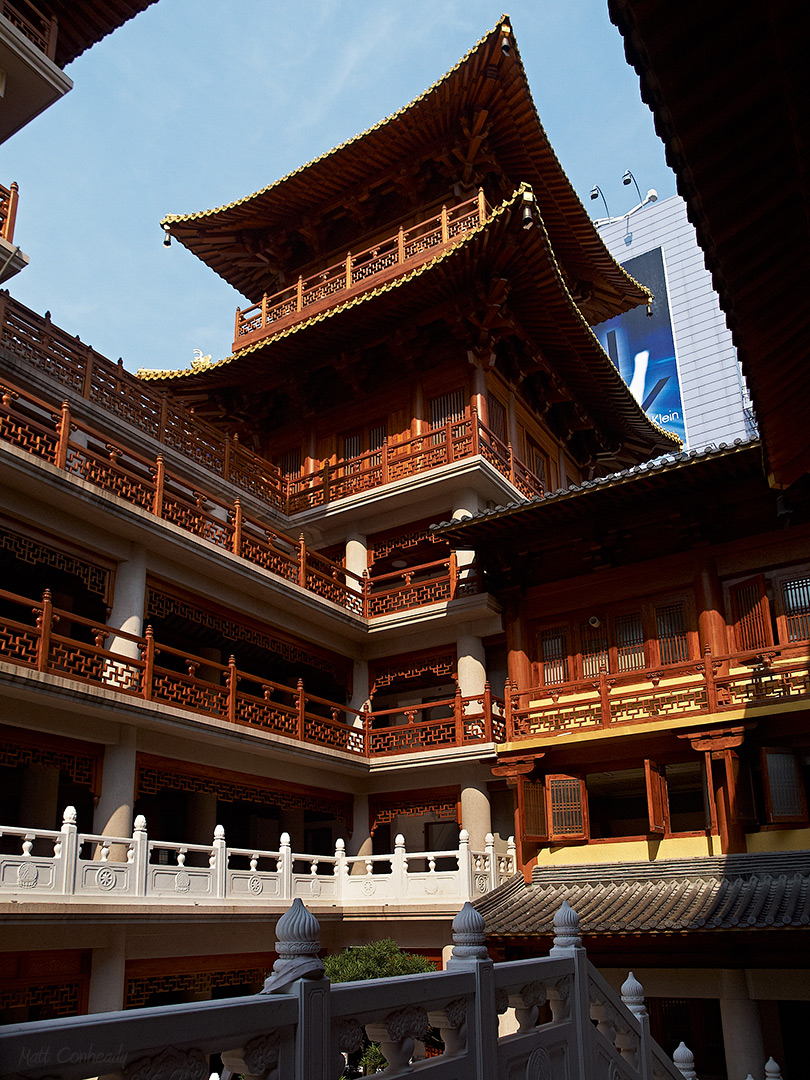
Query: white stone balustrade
pixel 299 1026
pixel 72 864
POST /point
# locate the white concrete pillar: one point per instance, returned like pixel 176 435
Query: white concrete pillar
pixel 356 559
pixel 465 504
pixel 113 814
pixel 39 797
pixel 472 665
pixel 201 818
pixel 361 841
pixel 359 685
pixel 742 1026
pixel 129 600
pixel 108 978
pixel 476 816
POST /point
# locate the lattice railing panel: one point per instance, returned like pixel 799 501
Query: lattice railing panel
pixel 318 729
pixel 18 644
pixel 267 714
pixel 406 737
pixel 171 688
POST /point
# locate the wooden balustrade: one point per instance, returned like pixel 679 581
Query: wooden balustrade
pixel 40 29
pixel 397 254
pixel 9 197
pixel 701 687
pixel 31 636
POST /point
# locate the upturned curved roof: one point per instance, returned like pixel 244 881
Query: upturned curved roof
pixel 538 302
pixel 83 23
pixel 486 78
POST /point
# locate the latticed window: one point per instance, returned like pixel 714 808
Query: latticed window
pixel 554 652
pixel 568 811
pixel 784 788
pixel 290 462
pixel 670 623
pixel 447 407
pixel 796 596
pixel 749 603
pixel 497 419
pixel 534 809
pixel 594 649
pixel 629 642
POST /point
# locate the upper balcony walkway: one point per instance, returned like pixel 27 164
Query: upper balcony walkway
pixel 386 260
pixel 40 29
pixel 66 361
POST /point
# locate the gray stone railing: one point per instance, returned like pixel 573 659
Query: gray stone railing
pixel 299 1027
pixel 67 863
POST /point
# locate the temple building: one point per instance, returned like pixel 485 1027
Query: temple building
pixel 239 665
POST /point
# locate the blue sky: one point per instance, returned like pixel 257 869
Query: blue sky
pixel 197 102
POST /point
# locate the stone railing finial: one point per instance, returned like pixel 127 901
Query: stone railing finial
pixel 566 930
pixel 633 996
pixel 297 944
pixel 772 1070
pixel 684 1061
pixel 69 816
pixel 469 936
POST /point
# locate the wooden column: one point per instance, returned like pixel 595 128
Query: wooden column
pixel 721 749
pixel 517 645
pixel 709 601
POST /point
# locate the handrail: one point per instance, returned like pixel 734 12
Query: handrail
pixel 697 687
pixel 141 667
pixel 392 256
pixel 42 33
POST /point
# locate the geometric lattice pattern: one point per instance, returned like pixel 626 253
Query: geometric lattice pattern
pixel 81 768
pixel 401 804
pixel 53 999
pixel 140 988
pixel 384 672
pixel 95 578
pixel 152 780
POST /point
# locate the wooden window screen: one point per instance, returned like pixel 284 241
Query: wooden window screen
pixel 566 808
pixel 670 621
pixel 537 461
pixel 353 445
pixel 657 797
pixel 629 642
pixel 534 809
pixel 447 407
pixel 594 649
pixel 749 607
pixel 554 651
pixel 497 419
pixel 290 462
pixel 796 596
pixel 784 789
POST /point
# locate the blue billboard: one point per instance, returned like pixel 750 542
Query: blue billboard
pixel 643 348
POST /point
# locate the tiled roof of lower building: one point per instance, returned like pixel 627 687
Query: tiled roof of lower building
pixel 735 892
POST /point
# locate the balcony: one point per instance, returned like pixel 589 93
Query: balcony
pixel 45 864
pixel 740 682
pixel 155 673
pixel 398 254
pixel 30 79
pixel 12 260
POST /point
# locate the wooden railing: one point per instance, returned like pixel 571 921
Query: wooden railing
pixel 65 359
pixel 713 684
pixel 60 439
pixel 8 210
pixel 399 253
pixel 39 28
pixel 37 635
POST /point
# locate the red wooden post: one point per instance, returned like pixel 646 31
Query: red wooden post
pixel 453 571
pixel 53 30
pixel 401 245
pixel 349 270
pixel 264 310
pixel 511 464
pixel 482 206
pixel 384 478
pixel 87 380
pixel 232 681
pixel 366 593
pixel 302 562
pixel 708 674
pixel 448 437
pixel 299 294
pixel 474 421
pixel 44 623
pixel 11 212
pixel 604 695
pixel 164 416
pixel 507 710
pixel 157 502
pixel 237 527
pixel 302 708
pixel 226 458
pixel 458 716
pixel 488 736
pixel 63 428
pixel 148 663
pixel 445 230
pixel 325 483
pixel 237 324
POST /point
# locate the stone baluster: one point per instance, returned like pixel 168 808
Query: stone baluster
pixel 465 868
pixel 452 1024
pixel 511 854
pixel 684 1061
pixel 285 867
pixel 69 850
pixel 569 999
pixel 636 1049
pixel 396 1036
pixel 297 971
pixel 218 863
pixel 399 866
pixel 140 857
pixel 341 869
pixel 470 953
pixel 526 1003
pixel 492 861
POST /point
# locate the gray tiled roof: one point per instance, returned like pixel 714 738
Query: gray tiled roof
pixel 735 892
